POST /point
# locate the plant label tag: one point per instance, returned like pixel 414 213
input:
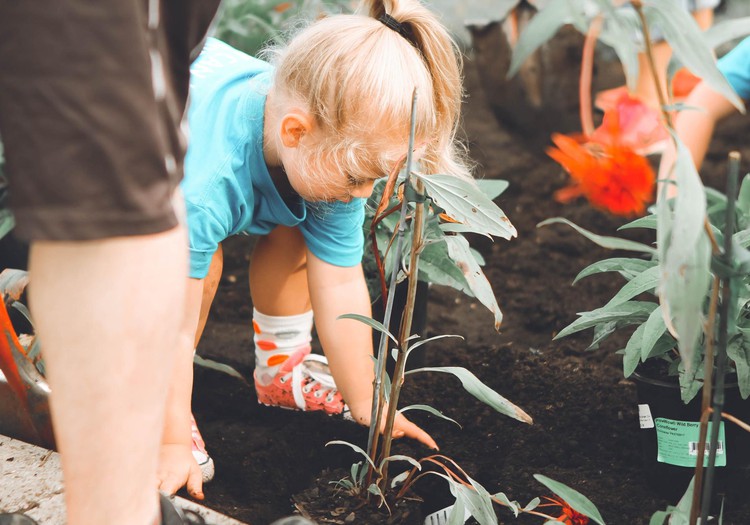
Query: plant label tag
pixel 677 443
pixel 644 416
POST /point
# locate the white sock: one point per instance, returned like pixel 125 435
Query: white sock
pixel 276 338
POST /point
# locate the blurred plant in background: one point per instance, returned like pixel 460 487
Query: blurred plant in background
pixel 248 25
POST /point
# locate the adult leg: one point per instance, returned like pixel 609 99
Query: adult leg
pixel 108 314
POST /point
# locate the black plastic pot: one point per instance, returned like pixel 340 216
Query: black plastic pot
pixel 669 436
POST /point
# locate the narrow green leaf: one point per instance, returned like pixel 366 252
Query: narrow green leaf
pixel 355 448
pixel 400 457
pixel 431 339
pixel 465 203
pixel 372 323
pixel 481 391
pixel 572 497
pixel 653 329
pixel 631 312
pixel 219 367
pixel 738 350
pixel 612 243
pixel 643 282
pixel 7 222
pixel 649 222
pixel 513 506
pixel 690 46
pixel 726 31
pixel 628 267
pixel 743 197
pixel 431 410
pixel 632 355
pixel 531 505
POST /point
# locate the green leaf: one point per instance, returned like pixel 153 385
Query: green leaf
pixel 542 27
pixel 631 312
pixel 478 502
pixel 632 355
pixel 431 339
pixel 572 497
pixel 459 251
pixel 433 411
pixel 648 221
pixel 611 243
pixel 7 222
pixel 726 31
pixel 400 457
pixel 743 197
pixel 355 448
pixel 643 282
pixel 690 46
pixel 627 266
pixel 481 391
pixel 738 350
pixel 653 329
pixel 512 505
pixel 465 203
pixel 372 323
pixel 492 188
pixel 435 266
pixel 219 367
pixel 531 505
pixel 619 27
pixel 684 256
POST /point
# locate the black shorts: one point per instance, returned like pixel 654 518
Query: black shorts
pixel 92 97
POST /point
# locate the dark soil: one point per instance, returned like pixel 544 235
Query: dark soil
pixel 585 430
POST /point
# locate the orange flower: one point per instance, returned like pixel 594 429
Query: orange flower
pixel 606 169
pixel 568 516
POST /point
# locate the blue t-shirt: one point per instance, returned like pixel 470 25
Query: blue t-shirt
pixel 227 187
pixel 735 65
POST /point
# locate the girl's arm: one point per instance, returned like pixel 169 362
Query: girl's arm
pixel 177 466
pixel 347 343
pixel 695 127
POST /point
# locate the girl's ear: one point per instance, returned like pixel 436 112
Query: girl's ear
pixel 294 125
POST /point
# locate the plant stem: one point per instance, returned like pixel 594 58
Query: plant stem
pixel 406 322
pixel 638 6
pixel 584 83
pixel 377 410
pixel 721 361
pixel 708 368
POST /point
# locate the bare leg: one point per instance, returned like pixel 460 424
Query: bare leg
pixel 107 313
pixel 278 273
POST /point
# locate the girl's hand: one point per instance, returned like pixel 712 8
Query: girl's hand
pixel 177 468
pixel 361 413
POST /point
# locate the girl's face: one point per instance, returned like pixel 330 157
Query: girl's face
pixel 332 183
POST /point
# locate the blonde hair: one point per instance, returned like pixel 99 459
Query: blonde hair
pixel 356 76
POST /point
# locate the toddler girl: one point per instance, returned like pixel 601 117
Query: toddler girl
pixel 289 151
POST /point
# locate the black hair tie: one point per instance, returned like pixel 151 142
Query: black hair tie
pixel 391 23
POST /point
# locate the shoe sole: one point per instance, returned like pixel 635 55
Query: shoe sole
pixel 207 470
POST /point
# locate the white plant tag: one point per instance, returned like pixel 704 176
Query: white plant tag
pixel 644 416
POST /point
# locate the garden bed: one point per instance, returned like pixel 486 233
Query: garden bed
pixel 585 431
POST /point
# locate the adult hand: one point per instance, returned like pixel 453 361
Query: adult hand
pixel 178 468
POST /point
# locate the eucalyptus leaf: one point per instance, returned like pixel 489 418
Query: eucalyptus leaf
pixel 481 391
pixel 654 328
pixel 492 188
pixel 632 355
pixel 612 243
pixel 572 497
pixel 465 203
pixel 459 251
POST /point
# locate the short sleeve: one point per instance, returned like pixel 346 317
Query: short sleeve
pixel 205 232
pixel 735 66
pixel 333 231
